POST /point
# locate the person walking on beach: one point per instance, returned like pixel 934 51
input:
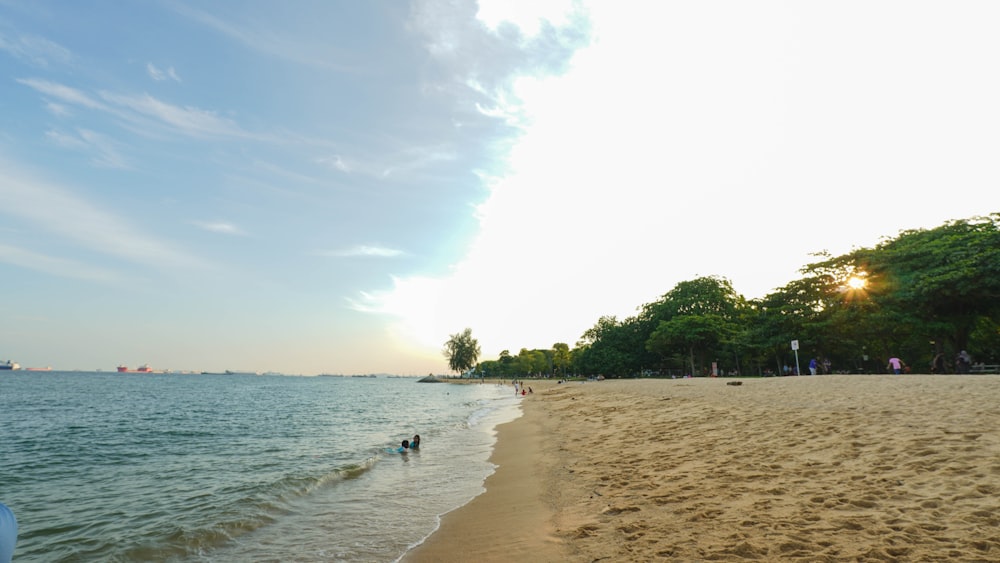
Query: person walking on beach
pixel 896 365
pixel 963 362
pixel 937 364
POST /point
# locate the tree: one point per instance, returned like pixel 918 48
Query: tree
pixel 462 351
pixel 927 288
pixel 531 362
pixel 561 357
pixel 695 334
pixel 609 349
pixel 949 275
pixel 698 317
pixel 915 295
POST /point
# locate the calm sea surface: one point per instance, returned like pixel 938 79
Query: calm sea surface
pixel 139 467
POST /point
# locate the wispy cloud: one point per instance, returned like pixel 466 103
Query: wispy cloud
pixel 263 38
pixel 221 227
pixel 529 19
pixel 187 120
pixel 407 160
pixel 101 148
pixel 61 267
pixel 281 172
pixel 336 162
pixel 364 251
pixel 160 75
pixel 35 50
pixel 63 93
pixel 145 110
pixel 57 109
pixel 56 210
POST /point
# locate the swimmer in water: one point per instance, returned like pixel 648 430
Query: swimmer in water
pixel 8 533
pixel 402 449
pixel 415 443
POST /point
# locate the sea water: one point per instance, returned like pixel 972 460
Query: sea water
pixel 220 468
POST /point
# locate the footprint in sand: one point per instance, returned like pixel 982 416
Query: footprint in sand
pixel 616 510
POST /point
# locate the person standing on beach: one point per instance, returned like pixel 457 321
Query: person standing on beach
pixel 937 364
pixel 896 365
pixel 963 362
pixel 813 366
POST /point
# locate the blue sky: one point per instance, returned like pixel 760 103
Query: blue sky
pixel 335 187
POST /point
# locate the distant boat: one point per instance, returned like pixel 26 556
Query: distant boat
pixel 10 366
pixel 144 368
pixel 47 368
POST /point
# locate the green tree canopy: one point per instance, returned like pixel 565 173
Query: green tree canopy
pixel 924 292
pixel 561 357
pixel 697 317
pixel 462 351
pixel 930 284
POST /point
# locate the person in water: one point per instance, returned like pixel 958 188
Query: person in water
pixel 402 449
pixel 415 443
pixel 8 533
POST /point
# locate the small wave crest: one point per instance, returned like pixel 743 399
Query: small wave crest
pixel 295 486
pixel 485 409
pixel 254 509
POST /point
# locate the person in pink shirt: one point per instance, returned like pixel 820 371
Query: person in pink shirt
pixel 896 365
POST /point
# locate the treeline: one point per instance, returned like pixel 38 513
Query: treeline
pixel 922 294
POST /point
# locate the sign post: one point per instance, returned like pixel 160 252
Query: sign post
pixel 795 347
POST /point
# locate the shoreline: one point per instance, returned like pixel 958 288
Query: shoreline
pixel 510 519
pixel 830 468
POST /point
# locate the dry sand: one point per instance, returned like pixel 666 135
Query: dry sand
pixel 825 468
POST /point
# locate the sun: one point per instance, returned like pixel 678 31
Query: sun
pixel 857 282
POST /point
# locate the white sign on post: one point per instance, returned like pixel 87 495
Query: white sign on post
pixel 795 344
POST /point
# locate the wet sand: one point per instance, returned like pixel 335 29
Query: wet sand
pixel 825 468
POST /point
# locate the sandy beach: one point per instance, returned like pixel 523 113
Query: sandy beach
pixel 825 468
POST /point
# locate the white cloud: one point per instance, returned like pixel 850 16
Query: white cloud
pixel 160 75
pixel 145 110
pixel 103 150
pixel 336 162
pixel 365 250
pixel 408 160
pixel 57 109
pixel 35 50
pixel 693 140
pixel 190 121
pixel 265 37
pixel 62 267
pixel 528 17
pixel 221 227
pixel 56 210
pixel 63 93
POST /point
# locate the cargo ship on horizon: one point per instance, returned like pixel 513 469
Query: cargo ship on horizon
pixel 144 368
